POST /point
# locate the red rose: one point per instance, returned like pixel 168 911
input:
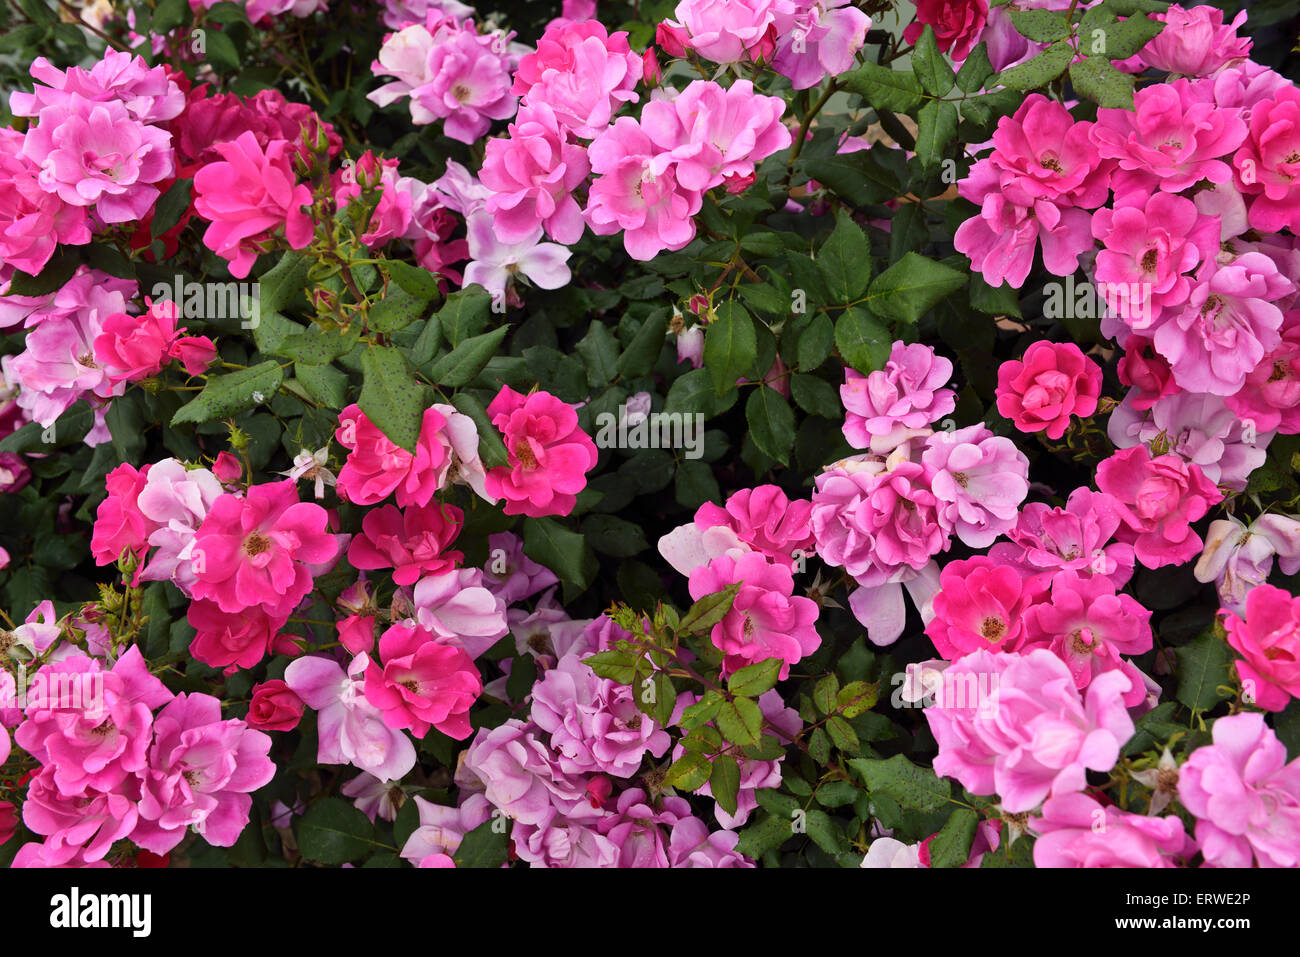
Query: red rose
pixel 274 707
pixel 957 24
pixel 1053 382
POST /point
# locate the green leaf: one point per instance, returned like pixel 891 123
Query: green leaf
pixel 640 355
pixel 614 665
pixel 724 782
pixel 708 611
pixel 278 285
pixel 824 694
pixel 932 69
pixel 491 449
pixel 863 342
pixel 488 845
pixel 771 423
pixel 599 352
pixel 167 16
pixel 975 70
pixel 414 280
pixel 693 392
pixel 730 347
pixel 53 277
pixel 326 384
pixel 1102 35
pixel 467 360
pixel 1203 666
pixel 857 177
pixel 1019 854
pixel 1042 26
pixel 752 680
pixel 951 846
pixel 917 789
pixel 334 832
pixel 825 833
pixel 842 735
pixel 766 834
pixel 911 286
pixel 227 395
pixel 885 89
pixel 815 342
pixel 815 396
pixel 220 51
pixel 395 311
pixel 549 543
pixel 317 346
pixel 844 261
pixel 856 698
pixel 689 772
pixel 937 128
pixel 740 721
pixel 465 313
pixel 172 204
pixel 615 536
pixel 1097 79
pixel 1039 71
pixel 391 397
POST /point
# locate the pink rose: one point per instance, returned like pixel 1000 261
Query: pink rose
pixel 274 707
pixel 1053 382
pixel 1076 831
pixel 1268 638
pixel 550 455
pixel 957 24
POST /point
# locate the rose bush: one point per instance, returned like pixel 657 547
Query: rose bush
pixel 711 433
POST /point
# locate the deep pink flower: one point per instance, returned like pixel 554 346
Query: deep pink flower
pixel 119 525
pixel 1043 154
pixel 766 620
pixel 1270 395
pixel 32 219
pixel 1268 163
pixel 550 454
pixel 274 707
pixel 423 683
pixel 376 466
pixel 981 606
pixel 413 542
pixel 247 197
pixel 14 473
pixel 1076 831
pixel 1268 638
pixel 211 120
pixel 1016 726
pixel 892 404
pixel 1158 499
pixel 764 519
pixel 255 550
pixel 149 94
pixel 202 770
pixel 131 348
pixel 582 73
pixel 957 24
pixel 1053 382
pixel 1146 371
pixel 1168 141
pixel 692 844
pixel 79 828
pixel 534 172
pixel 1245 795
pixel 1077 537
pixel 234 639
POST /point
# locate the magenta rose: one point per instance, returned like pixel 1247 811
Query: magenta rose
pixel 275 707
pixel 957 24
pixel 1268 638
pixel 1054 381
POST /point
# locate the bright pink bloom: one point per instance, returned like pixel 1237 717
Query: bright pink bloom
pixel 255 550
pixel 1268 638
pixel 274 707
pixel 1196 41
pixel 534 172
pixel 878 527
pixel 202 770
pixel 692 844
pixel 1028 734
pixel 1270 395
pixel 890 405
pixel 981 606
pixel 32 220
pixel 819 38
pixel 149 94
pixel 1158 499
pixel 90 724
pixel 94 154
pixel 764 519
pixel 1076 831
pixel 1078 538
pixel 582 73
pixel 234 639
pixel 131 348
pixel 423 683
pixel 550 455
pixel 247 197
pixel 376 466
pixel 79 828
pixel 766 620
pixel 636 190
pixel 1245 795
pixel 957 24
pixel 1053 382
pixel 1268 163
pixel 413 542
pixel 1146 371
pixel 119 526
pixel 1043 154
pixel 1168 141
pixel 211 120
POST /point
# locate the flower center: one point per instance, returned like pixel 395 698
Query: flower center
pixel 256 544
pixel 993 628
pixel 524 452
pixel 1280 372
pixel 1049 161
pixel 1077 644
pixel 961 478
pixel 461 92
pixel 1149 260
